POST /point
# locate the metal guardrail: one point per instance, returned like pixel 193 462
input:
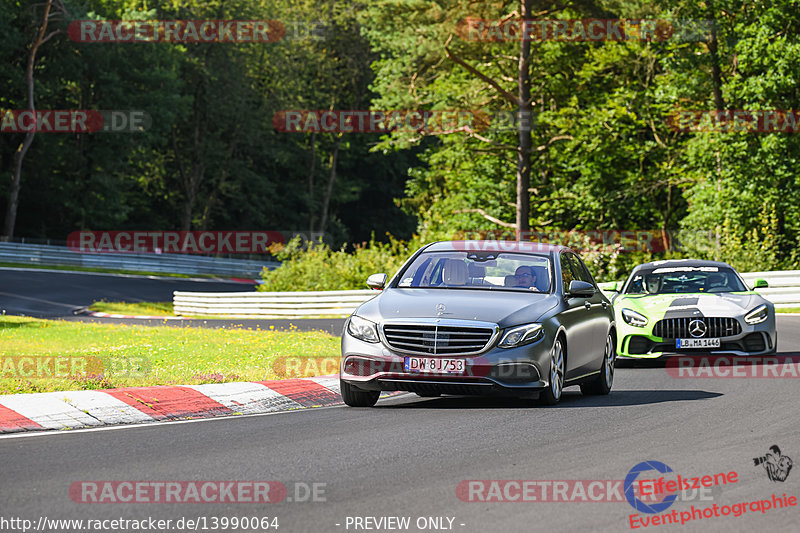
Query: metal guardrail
pixel 784 286
pixel 270 304
pixel 40 254
pixel 783 291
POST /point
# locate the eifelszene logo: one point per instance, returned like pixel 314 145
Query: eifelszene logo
pixel 630 485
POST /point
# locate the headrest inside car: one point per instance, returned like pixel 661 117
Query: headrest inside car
pixel 454 272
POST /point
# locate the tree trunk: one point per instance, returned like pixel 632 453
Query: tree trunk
pixel 311 172
pixel 19 155
pixel 525 108
pixel 329 192
pixel 192 178
pixel 713 49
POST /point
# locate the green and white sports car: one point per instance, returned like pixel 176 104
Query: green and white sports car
pixel 690 306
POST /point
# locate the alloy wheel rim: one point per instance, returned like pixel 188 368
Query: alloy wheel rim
pixel 610 356
pixel 557 370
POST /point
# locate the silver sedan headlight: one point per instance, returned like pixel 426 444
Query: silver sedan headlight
pixel 520 335
pixel 757 315
pixel 362 329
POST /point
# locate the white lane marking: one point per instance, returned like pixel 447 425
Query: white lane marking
pixel 104 407
pixel 49 410
pixel 245 397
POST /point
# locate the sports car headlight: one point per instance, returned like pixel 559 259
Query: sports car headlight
pixel 362 329
pixel 633 318
pixel 757 315
pixel 520 335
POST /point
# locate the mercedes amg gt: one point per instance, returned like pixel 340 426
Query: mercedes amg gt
pixel 688 307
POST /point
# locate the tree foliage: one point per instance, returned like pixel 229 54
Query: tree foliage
pixel 604 152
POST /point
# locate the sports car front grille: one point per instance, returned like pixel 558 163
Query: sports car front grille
pixel 678 328
pixel 437 340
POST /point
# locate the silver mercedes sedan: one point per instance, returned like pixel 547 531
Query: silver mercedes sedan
pixel 481 318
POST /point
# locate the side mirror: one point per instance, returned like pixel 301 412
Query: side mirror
pixel 760 283
pixel 377 281
pixel 580 289
pixel 610 286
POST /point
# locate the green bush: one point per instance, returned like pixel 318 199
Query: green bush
pixel 318 268
pixel 753 249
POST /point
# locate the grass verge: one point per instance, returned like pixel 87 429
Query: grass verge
pixel 788 310
pixel 134 308
pixel 99 356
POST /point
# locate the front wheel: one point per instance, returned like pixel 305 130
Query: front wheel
pixel 355 397
pixel 602 383
pixel 552 394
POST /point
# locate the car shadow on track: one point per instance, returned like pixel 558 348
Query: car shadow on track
pixel 661 362
pixel 571 399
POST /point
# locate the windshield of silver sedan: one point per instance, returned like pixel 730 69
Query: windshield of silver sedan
pixel 479 270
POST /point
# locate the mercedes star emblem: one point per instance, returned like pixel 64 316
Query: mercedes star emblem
pixel 697 328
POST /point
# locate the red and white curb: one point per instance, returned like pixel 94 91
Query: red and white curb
pixel 134 405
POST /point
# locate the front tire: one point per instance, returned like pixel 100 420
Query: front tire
pixel 602 384
pixel 552 394
pixel 355 397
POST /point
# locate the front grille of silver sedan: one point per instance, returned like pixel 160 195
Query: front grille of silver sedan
pixel 434 339
pixel 678 328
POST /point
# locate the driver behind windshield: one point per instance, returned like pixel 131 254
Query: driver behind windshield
pixel 526 278
pixel 652 283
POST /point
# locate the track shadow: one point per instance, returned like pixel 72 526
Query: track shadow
pixel 661 362
pixel 571 399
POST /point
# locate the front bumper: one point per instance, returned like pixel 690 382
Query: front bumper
pixel 520 371
pixel 640 343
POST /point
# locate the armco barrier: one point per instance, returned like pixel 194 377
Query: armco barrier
pixel 783 291
pixel 784 286
pixel 270 304
pixel 41 254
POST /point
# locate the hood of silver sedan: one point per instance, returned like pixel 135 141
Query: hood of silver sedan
pixel 505 308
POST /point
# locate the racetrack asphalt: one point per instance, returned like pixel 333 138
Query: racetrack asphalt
pixel 54 293
pixel 406 456
pixel 59 294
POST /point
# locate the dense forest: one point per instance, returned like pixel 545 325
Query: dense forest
pixel 681 121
